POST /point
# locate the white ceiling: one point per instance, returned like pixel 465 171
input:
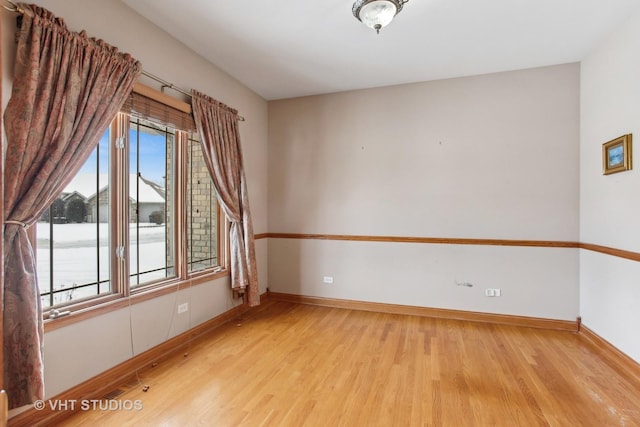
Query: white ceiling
pixel 290 48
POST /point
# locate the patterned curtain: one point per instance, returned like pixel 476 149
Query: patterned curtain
pixel 218 127
pixel 66 90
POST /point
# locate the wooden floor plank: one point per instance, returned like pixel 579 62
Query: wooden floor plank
pixel 298 365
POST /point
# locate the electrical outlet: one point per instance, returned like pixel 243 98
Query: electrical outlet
pixel 327 279
pixel 492 292
pixel 182 308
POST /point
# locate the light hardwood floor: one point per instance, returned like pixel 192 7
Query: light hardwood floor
pixel 299 365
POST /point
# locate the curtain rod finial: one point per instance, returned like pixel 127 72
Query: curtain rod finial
pixel 12 7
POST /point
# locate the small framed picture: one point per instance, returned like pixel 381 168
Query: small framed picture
pixel 616 155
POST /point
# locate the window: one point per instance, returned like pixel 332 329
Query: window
pixel 72 248
pixel 202 212
pixel 117 227
pixel 151 190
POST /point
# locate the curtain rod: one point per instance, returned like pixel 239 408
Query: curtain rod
pixel 172 86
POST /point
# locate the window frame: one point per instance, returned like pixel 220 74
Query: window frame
pixel 122 294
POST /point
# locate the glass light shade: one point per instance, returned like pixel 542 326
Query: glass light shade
pixel 377 14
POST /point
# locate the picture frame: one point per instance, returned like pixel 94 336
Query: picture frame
pixel 616 155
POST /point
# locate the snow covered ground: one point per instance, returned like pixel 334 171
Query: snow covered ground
pixel 75 257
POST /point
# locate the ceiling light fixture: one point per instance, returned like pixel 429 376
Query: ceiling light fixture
pixel 377 14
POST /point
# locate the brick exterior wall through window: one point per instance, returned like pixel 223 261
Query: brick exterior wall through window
pixel 202 211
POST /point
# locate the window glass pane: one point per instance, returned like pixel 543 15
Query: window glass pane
pixel 202 212
pixel 72 236
pixel 151 194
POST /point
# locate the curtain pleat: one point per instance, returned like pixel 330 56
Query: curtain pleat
pixel 66 90
pixel 218 128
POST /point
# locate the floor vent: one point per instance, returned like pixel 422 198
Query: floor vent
pixel 112 395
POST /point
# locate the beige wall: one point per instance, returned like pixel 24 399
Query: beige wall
pixel 80 351
pixel 492 156
pixel 609 205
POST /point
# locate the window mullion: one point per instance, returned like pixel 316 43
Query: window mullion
pixel 51 258
pixel 119 204
pixel 136 197
pixel 224 226
pixel 181 147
